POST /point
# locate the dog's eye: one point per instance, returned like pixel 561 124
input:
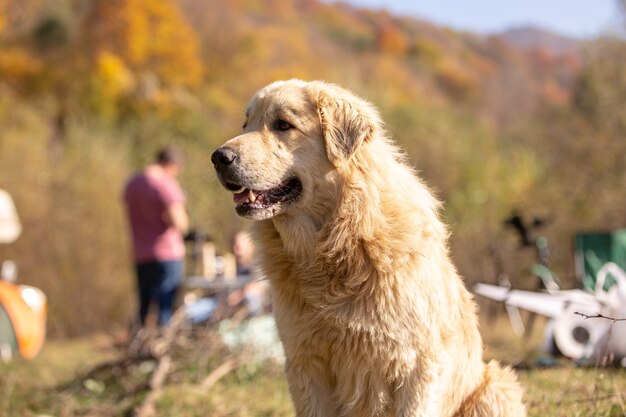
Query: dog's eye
pixel 282 125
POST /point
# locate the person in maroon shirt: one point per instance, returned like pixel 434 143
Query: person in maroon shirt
pixel 155 205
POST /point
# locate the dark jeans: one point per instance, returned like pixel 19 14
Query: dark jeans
pixel 157 282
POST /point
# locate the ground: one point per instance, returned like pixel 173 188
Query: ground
pixel 44 386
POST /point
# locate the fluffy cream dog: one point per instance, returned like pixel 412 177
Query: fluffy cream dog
pixel 374 319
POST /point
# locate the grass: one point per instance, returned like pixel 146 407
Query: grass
pixel 570 391
pixel 40 387
pixel 563 390
pixel 28 387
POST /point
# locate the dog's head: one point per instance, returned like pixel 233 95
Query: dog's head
pixel 295 137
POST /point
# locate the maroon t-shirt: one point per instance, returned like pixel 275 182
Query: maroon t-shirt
pixel 147 196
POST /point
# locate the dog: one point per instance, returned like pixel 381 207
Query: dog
pixel 373 317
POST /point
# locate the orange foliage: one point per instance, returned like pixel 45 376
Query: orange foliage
pixel 18 66
pixel 139 58
pixel 392 41
pixel 150 36
pixel 553 93
pixel 542 57
pixel 454 79
pixel 4 15
pixel 483 66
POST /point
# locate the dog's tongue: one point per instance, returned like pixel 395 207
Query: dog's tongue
pixel 244 196
pixel 241 197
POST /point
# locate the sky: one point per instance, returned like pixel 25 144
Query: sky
pixel 575 18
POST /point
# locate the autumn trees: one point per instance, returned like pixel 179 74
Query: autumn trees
pixel 88 89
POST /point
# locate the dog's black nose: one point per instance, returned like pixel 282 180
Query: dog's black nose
pixel 223 157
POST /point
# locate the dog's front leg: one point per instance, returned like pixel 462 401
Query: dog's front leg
pixel 419 395
pixel 310 398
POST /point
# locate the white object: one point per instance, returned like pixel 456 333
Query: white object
pixel 577 330
pixel 578 337
pixel 8 271
pixel 10 227
pixel 543 303
pixel 258 334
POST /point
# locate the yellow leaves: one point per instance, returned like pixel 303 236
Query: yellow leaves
pixel 148 36
pixel 400 86
pixel 427 50
pixel 524 172
pixel 110 82
pixel 144 57
pixel 113 76
pixel 137 27
pixel 278 53
pixel 170 44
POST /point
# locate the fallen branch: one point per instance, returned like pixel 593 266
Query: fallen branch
pixel 219 372
pixel 121 364
pixel 151 361
pixel 599 316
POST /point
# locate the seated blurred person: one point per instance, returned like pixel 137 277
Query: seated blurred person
pixel 243 249
pixel 254 293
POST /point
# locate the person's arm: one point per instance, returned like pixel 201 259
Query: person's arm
pixel 176 215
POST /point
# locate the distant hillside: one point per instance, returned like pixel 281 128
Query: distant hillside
pixel 413 58
pixel 533 37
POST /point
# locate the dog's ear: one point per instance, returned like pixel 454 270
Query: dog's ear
pixel 346 124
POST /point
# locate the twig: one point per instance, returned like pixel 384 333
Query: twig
pixel 219 372
pixel 122 363
pixel 599 316
pixel 161 349
pixel 147 408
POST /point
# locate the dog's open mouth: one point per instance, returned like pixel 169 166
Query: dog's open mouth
pixel 249 202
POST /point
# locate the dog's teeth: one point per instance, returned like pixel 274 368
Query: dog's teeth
pixel 241 190
pixel 251 196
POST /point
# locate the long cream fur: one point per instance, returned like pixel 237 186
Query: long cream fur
pixel 374 319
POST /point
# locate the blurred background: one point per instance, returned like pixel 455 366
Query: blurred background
pixel 498 117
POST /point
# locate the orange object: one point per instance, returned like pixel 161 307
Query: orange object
pixel 25 307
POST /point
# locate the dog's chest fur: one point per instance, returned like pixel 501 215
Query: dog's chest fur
pixel 333 332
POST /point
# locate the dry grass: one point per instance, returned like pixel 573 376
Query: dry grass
pixel 563 389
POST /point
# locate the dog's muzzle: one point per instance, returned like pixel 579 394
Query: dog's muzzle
pixel 259 203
